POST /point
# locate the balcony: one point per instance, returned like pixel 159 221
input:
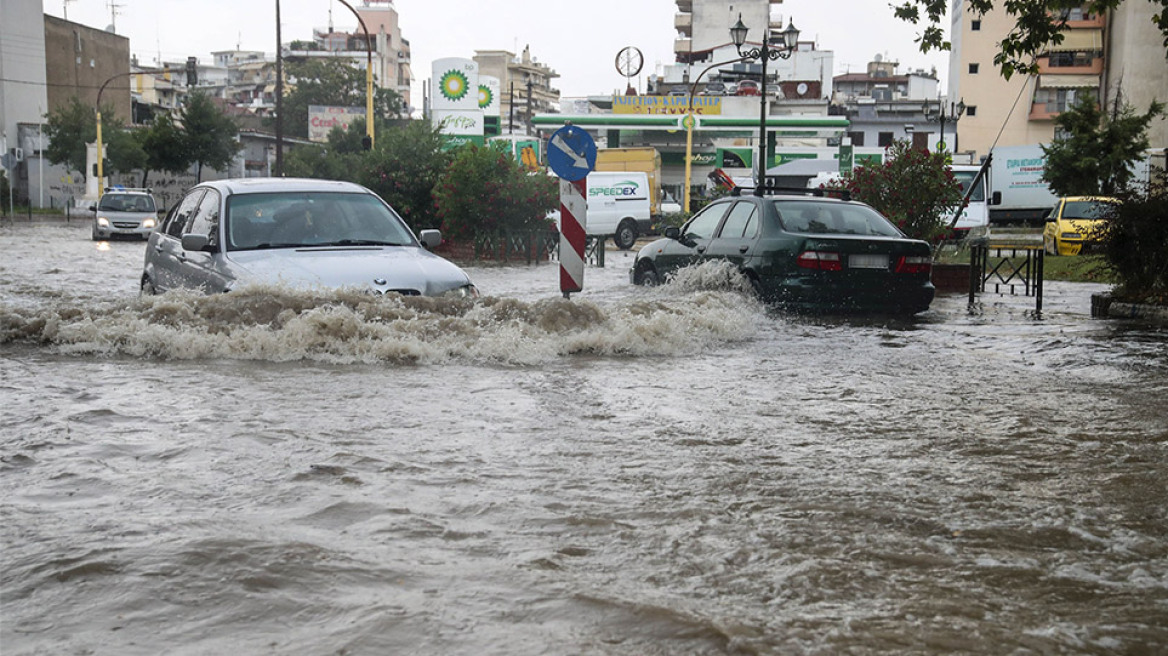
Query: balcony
pixel 683 46
pixel 1046 67
pixel 683 23
pixel 685 5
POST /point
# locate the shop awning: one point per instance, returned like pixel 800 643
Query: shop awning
pixel 1079 40
pixel 1068 81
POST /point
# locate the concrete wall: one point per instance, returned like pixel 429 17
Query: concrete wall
pixel 1137 64
pixel 79 60
pixel 22 67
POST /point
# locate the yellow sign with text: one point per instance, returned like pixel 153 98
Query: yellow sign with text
pixel 703 105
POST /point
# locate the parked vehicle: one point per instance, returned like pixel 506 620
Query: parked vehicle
pixel 124 212
pixel 803 252
pixel 299 232
pixel 715 88
pixel 747 88
pixel 646 160
pixel 618 206
pixel 975 217
pixel 1073 224
pixel 1020 195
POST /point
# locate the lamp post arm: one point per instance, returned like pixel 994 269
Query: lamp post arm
pixel 97 118
pixel 368 74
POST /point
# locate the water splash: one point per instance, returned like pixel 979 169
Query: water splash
pixel 700 309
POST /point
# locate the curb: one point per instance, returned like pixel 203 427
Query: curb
pixel 1104 307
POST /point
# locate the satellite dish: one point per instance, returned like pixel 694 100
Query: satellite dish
pixel 802 88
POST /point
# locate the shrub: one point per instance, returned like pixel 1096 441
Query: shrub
pixel 914 188
pixel 1135 242
pixel 485 190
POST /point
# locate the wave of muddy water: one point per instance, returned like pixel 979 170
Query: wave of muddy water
pixel 635 471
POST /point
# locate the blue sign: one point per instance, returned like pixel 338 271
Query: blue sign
pixel 571 153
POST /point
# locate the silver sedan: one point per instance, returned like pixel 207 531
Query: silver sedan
pixel 296 232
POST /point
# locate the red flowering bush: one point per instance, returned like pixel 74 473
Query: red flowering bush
pixel 485 189
pixel 914 188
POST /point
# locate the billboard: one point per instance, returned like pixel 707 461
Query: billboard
pixel 456 84
pixel 704 105
pixel 322 119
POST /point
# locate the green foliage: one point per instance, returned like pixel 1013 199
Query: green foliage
pixel 69 129
pixel 404 167
pixel 1037 23
pixel 210 134
pixel 1135 242
pixel 1096 155
pixel 914 188
pixel 333 83
pixel 165 147
pixel 486 190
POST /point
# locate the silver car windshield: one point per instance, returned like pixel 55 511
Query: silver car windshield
pixel 126 203
pixel 302 219
pixel 820 218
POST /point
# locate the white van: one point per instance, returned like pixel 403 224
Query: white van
pixel 618 206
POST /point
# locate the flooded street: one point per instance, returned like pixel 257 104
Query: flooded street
pixel 672 470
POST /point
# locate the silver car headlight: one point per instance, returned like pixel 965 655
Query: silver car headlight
pixel 466 291
pixel 148 223
pixel 103 222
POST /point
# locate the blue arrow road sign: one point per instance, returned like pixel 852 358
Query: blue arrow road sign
pixel 571 153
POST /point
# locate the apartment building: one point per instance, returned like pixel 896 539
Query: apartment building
pixel 525 86
pixel 1117 54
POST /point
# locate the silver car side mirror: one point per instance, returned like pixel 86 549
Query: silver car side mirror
pixel 193 242
pixel 430 238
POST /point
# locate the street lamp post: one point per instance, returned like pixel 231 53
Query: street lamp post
pixel 955 112
pixel 368 141
pixel 788 39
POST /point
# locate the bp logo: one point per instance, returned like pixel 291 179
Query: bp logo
pixel 453 85
pixel 485 96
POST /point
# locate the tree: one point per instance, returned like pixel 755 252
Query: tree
pixel 1094 152
pixel 339 159
pixel 209 134
pixel 1135 242
pixel 404 168
pixel 332 83
pixel 165 146
pixel 1038 23
pixel 70 129
pixel 485 190
pixel 914 188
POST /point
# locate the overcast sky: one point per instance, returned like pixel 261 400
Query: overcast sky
pixel 579 40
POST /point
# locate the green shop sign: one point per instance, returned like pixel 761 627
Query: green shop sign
pixel 704 158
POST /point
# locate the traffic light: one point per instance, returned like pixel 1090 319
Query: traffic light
pixel 192 72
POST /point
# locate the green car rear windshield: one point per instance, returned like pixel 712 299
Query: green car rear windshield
pixel 824 218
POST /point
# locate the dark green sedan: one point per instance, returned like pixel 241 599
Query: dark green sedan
pixel 802 252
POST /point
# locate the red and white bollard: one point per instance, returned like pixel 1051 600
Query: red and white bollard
pixel 573 221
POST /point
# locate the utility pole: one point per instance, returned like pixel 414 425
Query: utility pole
pixel 279 99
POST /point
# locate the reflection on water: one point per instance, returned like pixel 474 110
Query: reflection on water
pixel 637 471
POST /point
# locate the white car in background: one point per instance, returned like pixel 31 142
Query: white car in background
pixel 298 232
pixel 124 212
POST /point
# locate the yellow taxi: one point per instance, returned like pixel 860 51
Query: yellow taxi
pixel 1073 224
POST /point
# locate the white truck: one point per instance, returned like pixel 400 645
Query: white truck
pixel 618 206
pixel 1019 194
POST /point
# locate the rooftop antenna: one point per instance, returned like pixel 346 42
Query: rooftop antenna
pixel 65 7
pixel 114 16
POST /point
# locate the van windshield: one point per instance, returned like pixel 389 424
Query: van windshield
pixel 966 178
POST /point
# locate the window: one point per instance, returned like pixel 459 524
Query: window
pixel 705 222
pixel 857 138
pixel 740 222
pixel 884 139
pixel 973 68
pixel 206 221
pixel 975 26
pixel 971 110
pixel 1071 59
pixel 176 223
